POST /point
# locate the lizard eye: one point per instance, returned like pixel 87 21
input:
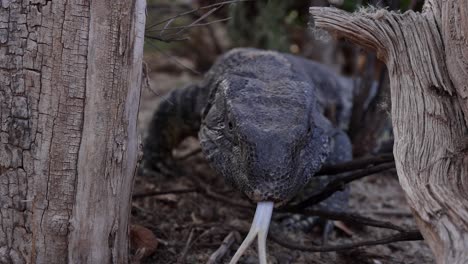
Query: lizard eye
pixel 309 129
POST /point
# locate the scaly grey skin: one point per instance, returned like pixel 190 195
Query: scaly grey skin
pixel 263 127
pixel 260 117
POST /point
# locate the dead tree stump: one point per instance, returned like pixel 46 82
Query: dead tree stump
pixel 427 58
pixel 70 76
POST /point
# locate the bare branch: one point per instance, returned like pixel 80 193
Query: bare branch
pixel 355 164
pixel 189 154
pixel 190 26
pixel 223 249
pixel 338 184
pixel 166 40
pixel 361 27
pixel 183 29
pixel 348 218
pixel 220 4
pixel 165 27
pixel 188 245
pixel 411 235
pixel 179 191
pixel 173 58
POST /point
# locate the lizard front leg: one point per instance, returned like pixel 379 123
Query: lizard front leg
pixel 176 118
pixel 341 151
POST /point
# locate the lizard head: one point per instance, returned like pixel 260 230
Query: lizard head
pixel 264 136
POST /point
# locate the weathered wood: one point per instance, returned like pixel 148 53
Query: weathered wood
pixel 70 76
pixel 426 56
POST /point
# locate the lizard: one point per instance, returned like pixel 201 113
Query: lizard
pixel 261 120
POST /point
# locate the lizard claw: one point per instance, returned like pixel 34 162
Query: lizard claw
pixel 260 225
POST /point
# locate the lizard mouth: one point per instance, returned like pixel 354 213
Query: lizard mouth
pixel 260 225
pixel 258 196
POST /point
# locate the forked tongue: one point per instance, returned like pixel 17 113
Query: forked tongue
pixel 259 227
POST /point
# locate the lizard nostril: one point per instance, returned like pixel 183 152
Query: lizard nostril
pixel 230 125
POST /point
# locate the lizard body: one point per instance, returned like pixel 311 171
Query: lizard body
pixel 249 100
pixel 264 123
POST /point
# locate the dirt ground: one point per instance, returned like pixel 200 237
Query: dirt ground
pixel 191 226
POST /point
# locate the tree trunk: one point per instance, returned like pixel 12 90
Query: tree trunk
pixel 70 74
pixel 426 55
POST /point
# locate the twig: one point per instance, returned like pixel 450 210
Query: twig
pixel 347 217
pixel 166 40
pixel 220 4
pixel 165 27
pixel 338 185
pixel 391 213
pixel 163 242
pixel 191 241
pixel 153 91
pixel 156 193
pixel 411 235
pixel 205 233
pixel 148 86
pixel 183 29
pixel 188 244
pixel 207 245
pixel 355 164
pixel 173 59
pixel 202 225
pixel 189 26
pixel 189 154
pixel 142 210
pixel 146 81
pixel 223 248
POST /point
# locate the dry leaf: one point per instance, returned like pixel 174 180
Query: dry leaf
pixel 143 241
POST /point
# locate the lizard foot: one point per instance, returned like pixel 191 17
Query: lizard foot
pixel 260 225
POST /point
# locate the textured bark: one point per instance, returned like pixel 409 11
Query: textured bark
pixel 426 55
pixel 70 74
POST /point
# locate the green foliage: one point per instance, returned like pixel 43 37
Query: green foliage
pixel 405 5
pixel 261 24
pixel 353 5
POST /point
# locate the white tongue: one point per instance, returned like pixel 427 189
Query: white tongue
pixel 260 225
